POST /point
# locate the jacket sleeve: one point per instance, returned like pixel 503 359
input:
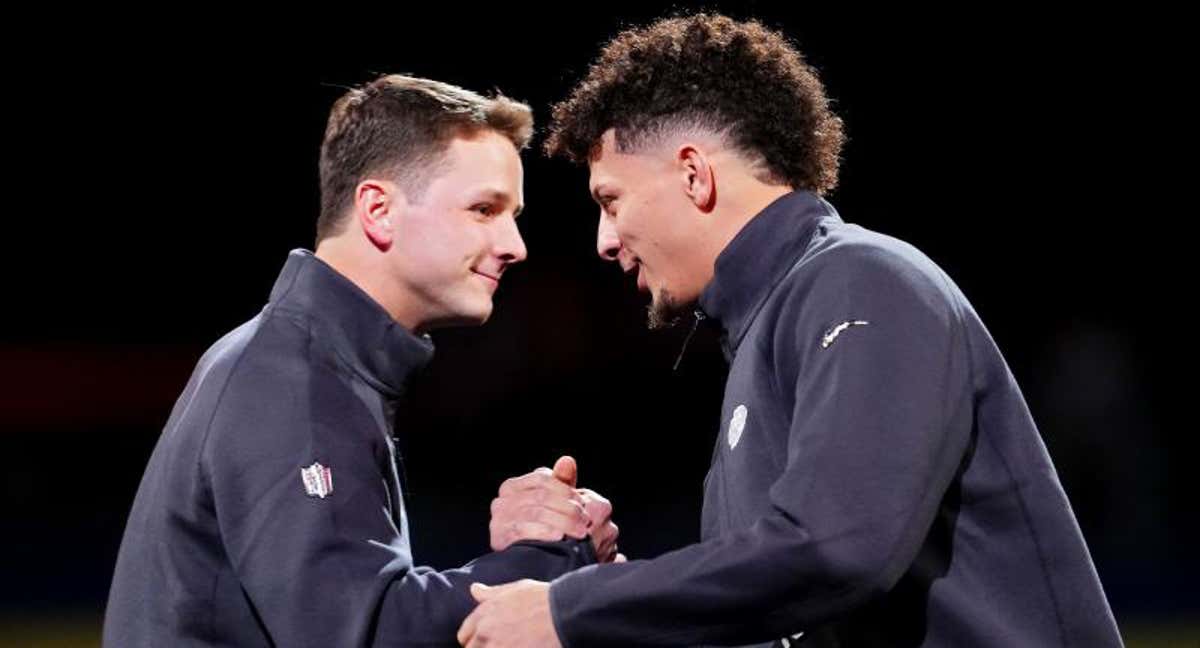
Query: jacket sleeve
pixel 337 570
pixel 879 421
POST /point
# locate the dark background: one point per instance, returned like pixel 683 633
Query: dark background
pixel 162 167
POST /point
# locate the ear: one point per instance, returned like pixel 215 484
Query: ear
pixel 697 176
pixel 376 204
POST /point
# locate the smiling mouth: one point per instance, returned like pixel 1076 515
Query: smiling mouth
pixel 494 280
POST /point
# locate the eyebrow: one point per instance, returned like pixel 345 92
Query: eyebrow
pixel 599 189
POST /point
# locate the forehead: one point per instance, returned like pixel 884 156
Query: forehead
pixel 485 151
pixel 488 160
pixel 610 167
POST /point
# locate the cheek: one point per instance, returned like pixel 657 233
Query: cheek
pixel 652 215
pixel 442 241
pixel 632 225
pixel 649 230
pixel 425 253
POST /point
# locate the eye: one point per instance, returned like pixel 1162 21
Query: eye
pixel 483 208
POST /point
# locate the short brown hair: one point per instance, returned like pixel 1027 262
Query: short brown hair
pixel 737 79
pixel 402 125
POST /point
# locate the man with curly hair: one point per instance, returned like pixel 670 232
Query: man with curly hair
pixel 878 479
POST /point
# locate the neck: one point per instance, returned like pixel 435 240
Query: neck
pixel 367 269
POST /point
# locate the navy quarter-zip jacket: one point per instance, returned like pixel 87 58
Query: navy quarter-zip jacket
pixel 877 479
pixel 239 537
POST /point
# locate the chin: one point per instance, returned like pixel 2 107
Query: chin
pixel 668 309
pixel 461 314
pixel 476 314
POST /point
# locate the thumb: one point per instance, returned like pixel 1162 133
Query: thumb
pixel 481 592
pixel 566 471
pixel 620 558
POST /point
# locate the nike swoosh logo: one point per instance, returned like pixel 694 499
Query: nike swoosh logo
pixel 834 332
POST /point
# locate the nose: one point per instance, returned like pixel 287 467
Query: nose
pixel 608 244
pixel 510 247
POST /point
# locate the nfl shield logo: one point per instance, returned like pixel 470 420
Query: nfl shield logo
pixel 318 481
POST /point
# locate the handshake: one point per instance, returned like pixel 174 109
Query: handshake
pixel 546 505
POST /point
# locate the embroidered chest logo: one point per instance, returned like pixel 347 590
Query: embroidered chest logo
pixel 737 423
pixel 318 480
pixel 834 332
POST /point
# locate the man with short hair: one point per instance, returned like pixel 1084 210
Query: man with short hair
pixel 271 511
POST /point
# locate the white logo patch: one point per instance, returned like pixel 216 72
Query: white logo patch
pixel 834 332
pixel 795 637
pixel 318 480
pixel 736 424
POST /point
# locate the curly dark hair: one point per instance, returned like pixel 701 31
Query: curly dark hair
pixel 737 79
